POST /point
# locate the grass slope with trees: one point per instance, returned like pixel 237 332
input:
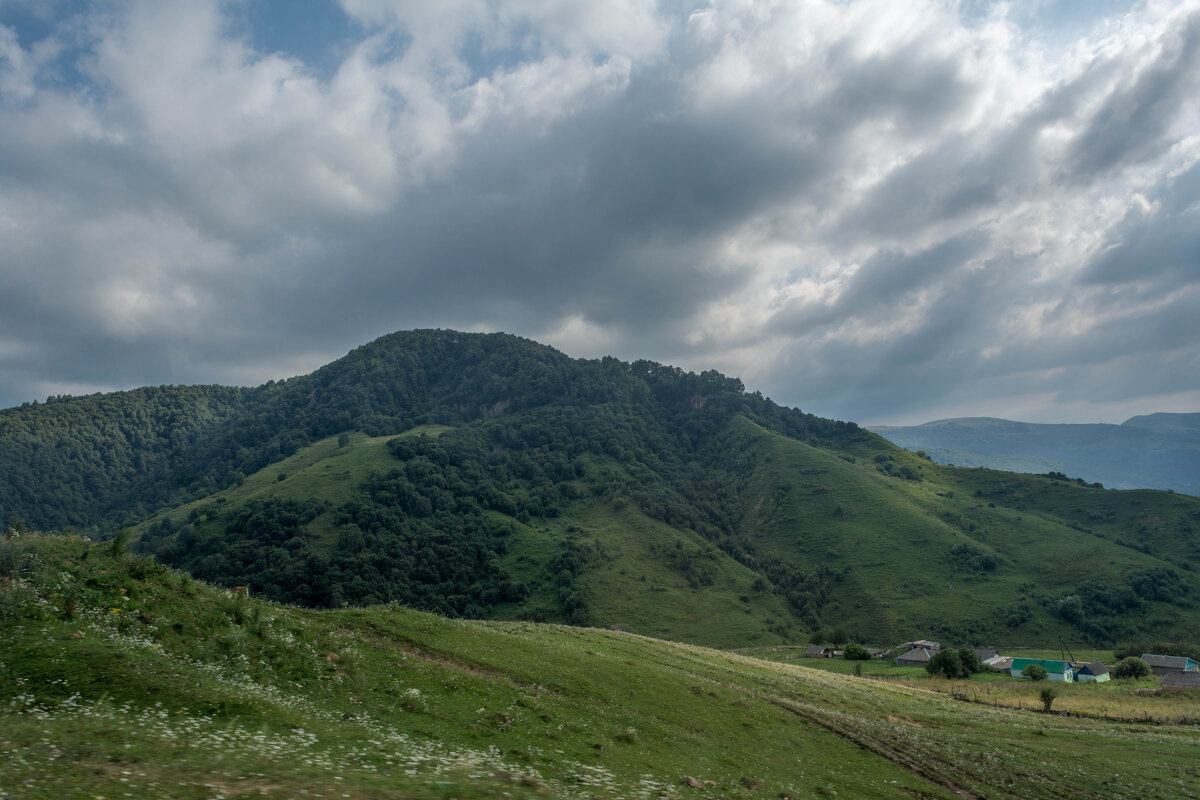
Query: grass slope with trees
pixel 489 476
pixel 119 677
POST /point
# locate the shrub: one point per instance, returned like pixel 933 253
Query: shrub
pixel 1036 672
pixel 119 544
pixel 1131 667
pixel 1047 694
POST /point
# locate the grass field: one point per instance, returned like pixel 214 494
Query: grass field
pixel 120 678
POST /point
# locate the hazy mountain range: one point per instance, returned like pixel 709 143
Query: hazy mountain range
pixel 1160 451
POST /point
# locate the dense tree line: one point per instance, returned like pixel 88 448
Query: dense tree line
pixel 106 459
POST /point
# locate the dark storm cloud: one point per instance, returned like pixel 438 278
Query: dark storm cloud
pixel 1154 244
pixel 863 209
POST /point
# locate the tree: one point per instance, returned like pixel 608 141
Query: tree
pixel 970 661
pixel 839 636
pixel 947 663
pixel 1047 694
pixel 119 544
pixel 1131 667
pixel 856 652
pixel 1036 672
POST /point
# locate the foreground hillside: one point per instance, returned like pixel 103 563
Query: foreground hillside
pixel 1161 451
pixel 121 678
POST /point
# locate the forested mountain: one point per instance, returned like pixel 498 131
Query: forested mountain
pixel 490 476
pixel 1154 451
pixel 104 460
pixel 107 459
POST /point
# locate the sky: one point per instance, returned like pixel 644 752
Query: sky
pixel 888 212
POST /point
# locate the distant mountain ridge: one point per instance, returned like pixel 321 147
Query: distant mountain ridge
pixel 1152 451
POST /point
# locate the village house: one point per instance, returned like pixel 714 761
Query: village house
pixel 1181 680
pixel 923 643
pixel 917 657
pixel 817 651
pixel 986 653
pixel 1092 672
pixel 1061 671
pixel 1165 665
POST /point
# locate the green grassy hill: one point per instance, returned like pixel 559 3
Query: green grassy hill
pixel 973 556
pixel 119 678
pixel 882 543
pixel 487 476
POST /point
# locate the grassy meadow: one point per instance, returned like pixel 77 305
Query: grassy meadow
pixel 120 678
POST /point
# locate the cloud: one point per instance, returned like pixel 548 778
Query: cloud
pixel 877 211
pixel 1136 119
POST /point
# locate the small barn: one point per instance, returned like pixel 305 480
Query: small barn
pixel 917 657
pixel 1092 672
pixel 1181 680
pixel 1061 671
pixel 817 651
pixel 1164 665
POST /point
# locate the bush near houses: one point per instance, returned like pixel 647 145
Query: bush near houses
pixel 1131 667
pixel 1036 672
pixel 856 652
pixel 962 663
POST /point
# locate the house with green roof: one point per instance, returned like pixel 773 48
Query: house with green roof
pixel 1055 670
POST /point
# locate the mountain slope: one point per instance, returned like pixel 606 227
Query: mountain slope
pixel 118 677
pixel 972 555
pixel 489 476
pixel 1159 451
pixel 797 537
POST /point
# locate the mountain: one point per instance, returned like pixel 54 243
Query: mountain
pixel 119 678
pixel 1160 451
pixel 488 476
